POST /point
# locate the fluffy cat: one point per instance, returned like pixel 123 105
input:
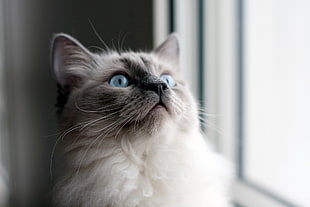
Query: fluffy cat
pixel 130 131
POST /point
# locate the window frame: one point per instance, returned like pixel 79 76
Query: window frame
pixel 228 18
pixel 169 17
pixel 252 194
pixel 219 49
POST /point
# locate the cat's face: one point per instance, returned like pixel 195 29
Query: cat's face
pixel 113 94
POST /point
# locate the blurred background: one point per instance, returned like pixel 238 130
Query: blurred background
pixel 247 63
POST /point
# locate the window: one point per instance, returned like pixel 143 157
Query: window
pixel 249 63
pixel 276 99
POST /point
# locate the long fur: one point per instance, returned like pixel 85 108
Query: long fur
pixel 118 151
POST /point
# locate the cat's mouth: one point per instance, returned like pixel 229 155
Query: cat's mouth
pixel 160 106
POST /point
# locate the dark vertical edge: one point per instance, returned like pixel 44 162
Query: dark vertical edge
pixel 201 59
pixel 11 152
pixel 171 16
pixel 240 104
pixel 151 25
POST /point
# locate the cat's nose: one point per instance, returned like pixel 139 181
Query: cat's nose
pixel 156 87
pixel 154 84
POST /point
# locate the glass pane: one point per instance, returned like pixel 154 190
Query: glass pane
pixel 277 97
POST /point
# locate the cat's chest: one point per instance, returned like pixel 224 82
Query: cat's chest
pixel 135 171
pixel 163 176
pixel 139 176
pixel 121 178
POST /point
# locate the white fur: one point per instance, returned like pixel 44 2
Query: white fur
pixel 162 171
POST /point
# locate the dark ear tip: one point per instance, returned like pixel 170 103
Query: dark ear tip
pixel 171 42
pixel 56 40
pixel 63 37
pixel 60 35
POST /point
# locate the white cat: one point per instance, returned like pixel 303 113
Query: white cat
pixel 130 131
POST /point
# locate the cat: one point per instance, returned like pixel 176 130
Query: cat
pixel 130 131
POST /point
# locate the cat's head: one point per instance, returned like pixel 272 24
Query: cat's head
pixel 113 93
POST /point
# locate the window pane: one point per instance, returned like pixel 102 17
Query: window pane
pixel 277 97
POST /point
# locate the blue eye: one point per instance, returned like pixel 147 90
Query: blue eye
pixel 168 80
pixel 120 81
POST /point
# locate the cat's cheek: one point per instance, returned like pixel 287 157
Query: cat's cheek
pixel 175 106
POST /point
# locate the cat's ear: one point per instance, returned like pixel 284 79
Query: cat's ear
pixel 169 49
pixel 71 61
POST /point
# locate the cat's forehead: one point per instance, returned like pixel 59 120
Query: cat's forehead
pixel 137 62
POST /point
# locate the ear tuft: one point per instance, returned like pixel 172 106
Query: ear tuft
pixel 170 49
pixel 70 60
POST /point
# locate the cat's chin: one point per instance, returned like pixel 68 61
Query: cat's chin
pixel 155 119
